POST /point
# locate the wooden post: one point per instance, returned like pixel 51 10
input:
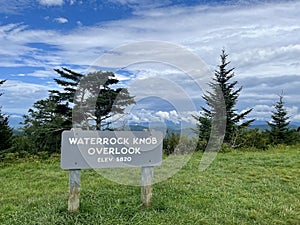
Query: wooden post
pixel 146 187
pixel 74 190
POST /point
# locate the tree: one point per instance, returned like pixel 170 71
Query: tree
pixel 64 99
pixel 222 89
pixel 6 133
pixel 97 101
pixel 279 132
pixel 48 118
pixel 44 124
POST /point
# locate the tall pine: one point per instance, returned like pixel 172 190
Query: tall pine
pixel 279 132
pixel 81 98
pixel 49 117
pixel 97 101
pixel 6 132
pixel 222 89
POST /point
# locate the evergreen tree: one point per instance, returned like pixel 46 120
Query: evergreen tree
pixel 279 132
pixel 97 101
pixel 48 118
pixel 6 133
pixel 68 81
pixel 44 124
pixel 77 102
pixel 222 90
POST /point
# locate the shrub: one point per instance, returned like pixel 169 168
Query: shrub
pixel 21 143
pixel 170 142
pixel 251 138
pixel 225 148
pixel 186 145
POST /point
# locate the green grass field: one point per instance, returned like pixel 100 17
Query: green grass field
pixel 238 188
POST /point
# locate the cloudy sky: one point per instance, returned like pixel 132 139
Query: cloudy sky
pixel 261 38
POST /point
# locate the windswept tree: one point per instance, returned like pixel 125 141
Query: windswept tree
pixel 223 90
pixel 6 132
pixel 97 102
pixel 76 101
pixel 279 132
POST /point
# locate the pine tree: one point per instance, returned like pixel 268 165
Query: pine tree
pixel 222 90
pixel 279 126
pixel 6 132
pixel 68 81
pixel 77 102
pixel 97 101
pixel 43 126
pixel 49 117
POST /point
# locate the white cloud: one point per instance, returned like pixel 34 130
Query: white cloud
pixel 161 117
pixel 142 4
pixel 79 23
pixel 40 74
pixel 262 41
pixel 61 20
pixel 52 2
pixel 19 96
pixel 264 112
pixel 14 6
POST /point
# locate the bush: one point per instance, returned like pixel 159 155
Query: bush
pixel 293 137
pixel 21 143
pixel 10 156
pixel 201 145
pixel 170 142
pixel 251 138
pixel 186 145
pixel 225 148
pixel 176 144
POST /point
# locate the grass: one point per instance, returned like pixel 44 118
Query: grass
pixel 237 188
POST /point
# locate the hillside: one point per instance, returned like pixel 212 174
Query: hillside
pixel 237 188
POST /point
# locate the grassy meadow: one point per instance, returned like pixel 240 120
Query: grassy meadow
pixel 237 188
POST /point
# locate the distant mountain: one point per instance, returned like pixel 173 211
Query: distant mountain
pixel 263 125
pixel 177 128
pixel 187 129
pixel 15 120
pixel 170 127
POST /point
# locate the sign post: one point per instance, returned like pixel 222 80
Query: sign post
pixel 146 188
pixel 110 149
pixel 74 190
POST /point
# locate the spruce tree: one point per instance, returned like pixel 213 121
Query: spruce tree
pixel 6 132
pixel 97 102
pixel 76 102
pixel 222 89
pixel 43 126
pixel 49 117
pixel 279 132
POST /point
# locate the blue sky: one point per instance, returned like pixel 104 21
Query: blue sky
pixel 261 38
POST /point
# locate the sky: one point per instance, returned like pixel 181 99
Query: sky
pixel 260 37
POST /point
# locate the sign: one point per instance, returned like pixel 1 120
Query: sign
pixel 83 149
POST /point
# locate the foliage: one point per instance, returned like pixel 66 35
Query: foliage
pixel 252 138
pixel 21 143
pixel 170 142
pixel 6 132
pixel 49 117
pixel 279 132
pixel 222 90
pixel 96 100
pixel 178 144
pixel 44 124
